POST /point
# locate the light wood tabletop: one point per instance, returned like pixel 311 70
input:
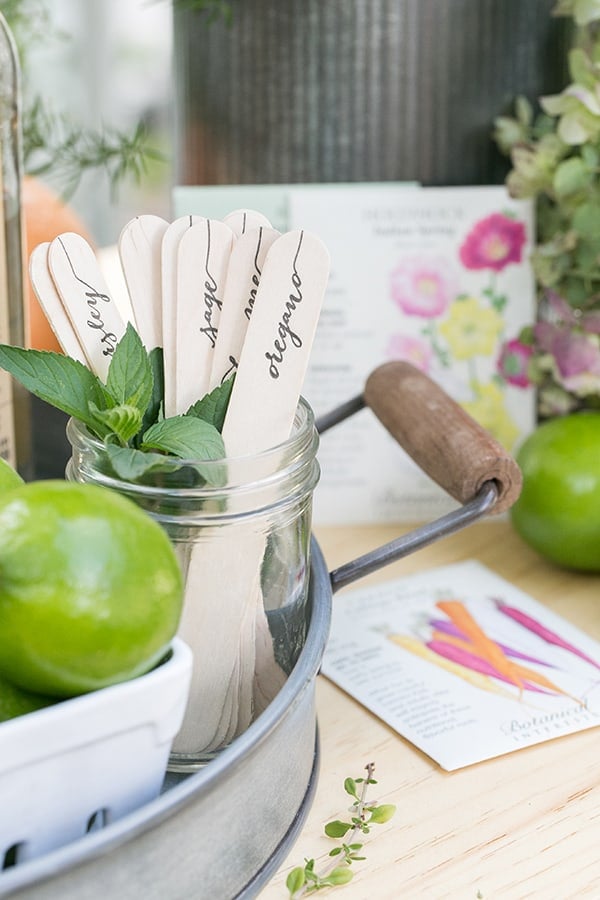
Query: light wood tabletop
pixel 524 825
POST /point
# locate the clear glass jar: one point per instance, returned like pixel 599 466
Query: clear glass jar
pixel 241 530
pixel 15 406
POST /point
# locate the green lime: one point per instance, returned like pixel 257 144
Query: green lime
pixel 558 512
pixel 15 702
pixel 90 588
pixel 9 479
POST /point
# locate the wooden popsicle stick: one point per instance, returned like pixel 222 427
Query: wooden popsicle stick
pixel 221 597
pixel 277 345
pixel 202 258
pixel 242 220
pixel 169 246
pixel 140 245
pixel 243 276
pixel 266 391
pixel 52 305
pixel 217 624
pixel 94 314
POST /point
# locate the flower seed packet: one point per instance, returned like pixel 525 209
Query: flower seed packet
pixel 440 277
pixel 463 664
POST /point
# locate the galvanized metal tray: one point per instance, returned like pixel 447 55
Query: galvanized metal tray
pixel 221 832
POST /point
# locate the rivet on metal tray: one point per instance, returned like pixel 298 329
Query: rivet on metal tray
pixel 12 855
pixel 98 820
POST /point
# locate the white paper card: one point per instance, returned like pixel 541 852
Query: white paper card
pixel 439 276
pixel 392 648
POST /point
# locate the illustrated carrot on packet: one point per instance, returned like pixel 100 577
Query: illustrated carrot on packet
pixel 450 628
pixel 463 657
pixel 413 645
pixel 545 633
pixel 484 645
pixel 532 680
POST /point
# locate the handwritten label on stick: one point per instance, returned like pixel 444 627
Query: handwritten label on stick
pixel 277 345
pixel 243 277
pixel 140 245
pixel 169 248
pixel 80 283
pixel 202 259
pixel 52 304
pixel 242 220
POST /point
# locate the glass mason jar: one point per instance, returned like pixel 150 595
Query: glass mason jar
pixel 241 531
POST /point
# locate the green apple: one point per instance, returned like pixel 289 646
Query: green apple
pixel 90 588
pixel 558 512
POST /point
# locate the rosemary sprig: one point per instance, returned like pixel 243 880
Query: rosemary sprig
pixel 53 144
pixel 304 880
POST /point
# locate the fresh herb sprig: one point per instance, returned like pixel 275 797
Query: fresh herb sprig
pixel 213 9
pixel 304 879
pixel 126 412
pixel 54 145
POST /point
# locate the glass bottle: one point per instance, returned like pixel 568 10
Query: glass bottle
pixel 15 409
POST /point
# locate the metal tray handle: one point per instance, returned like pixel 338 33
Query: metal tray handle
pixel 446 443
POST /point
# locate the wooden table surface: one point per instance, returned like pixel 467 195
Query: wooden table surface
pixel 525 825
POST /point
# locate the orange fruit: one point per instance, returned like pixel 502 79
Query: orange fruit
pixel 45 216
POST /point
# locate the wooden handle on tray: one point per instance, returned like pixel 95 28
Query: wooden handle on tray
pixel 439 435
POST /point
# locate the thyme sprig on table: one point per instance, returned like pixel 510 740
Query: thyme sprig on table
pixel 304 880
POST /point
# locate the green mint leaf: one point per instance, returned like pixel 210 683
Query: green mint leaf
pixel 158 388
pixel 295 880
pixel 58 380
pixel 213 406
pixel 124 421
pixel 185 437
pixel 382 813
pixel 336 851
pixel 350 787
pixel 130 464
pixel 337 829
pixel 340 875
pixel 130 377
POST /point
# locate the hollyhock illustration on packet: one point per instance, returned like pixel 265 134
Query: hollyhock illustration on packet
pixel 437 276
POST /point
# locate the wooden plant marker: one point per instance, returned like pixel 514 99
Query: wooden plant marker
pixel 202 260
pixel 140 244
pixel 243 276
pixel 242 220
pixel 94 314
pixel 277 345
pixel 169 247
pixel 223 617
pixel 50 301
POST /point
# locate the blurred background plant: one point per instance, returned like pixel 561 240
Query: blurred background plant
pixel 96 128
pixel 56 143
pixel 555 156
